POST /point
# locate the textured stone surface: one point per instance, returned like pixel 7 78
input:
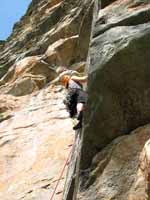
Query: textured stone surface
pixel 7 104
pixel 45 23
pixel 118 76
pixel 118 103
pixel 26 76
pixel 105 3
pixel 35 130
pixel 62 52
pixel 121 170
pixel 52 33
pixel 34 144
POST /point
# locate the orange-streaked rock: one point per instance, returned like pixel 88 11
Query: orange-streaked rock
pixel 62 51
pixel 34 145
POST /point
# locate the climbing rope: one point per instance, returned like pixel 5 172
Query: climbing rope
pixel 61 174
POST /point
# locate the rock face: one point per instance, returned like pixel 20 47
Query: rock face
pixel 118 103
pixel 121 170
pixel 46 22
pixel 35 130
pixel 52 33
pixel 26 76
pixel 118 74
pixel 33 150
pixel 111 158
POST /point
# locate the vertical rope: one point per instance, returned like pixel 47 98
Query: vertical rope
pixel 61 174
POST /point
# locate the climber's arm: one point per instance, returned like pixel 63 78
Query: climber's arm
pixel 82 79
pixel 55 81
pixel 59 78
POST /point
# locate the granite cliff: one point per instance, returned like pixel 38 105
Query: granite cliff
pixel 116 166
pixel 109 40
pixel 36 133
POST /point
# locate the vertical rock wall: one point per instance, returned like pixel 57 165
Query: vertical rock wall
pixel 34 141
pixel 118 74
pixel 36 133
pixel 113 166
pixel 45 23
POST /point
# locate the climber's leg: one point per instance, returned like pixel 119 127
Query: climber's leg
pixel 80 107
pixel 82 97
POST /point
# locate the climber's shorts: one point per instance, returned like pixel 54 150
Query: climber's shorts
pixel 81 96
pixel 74 97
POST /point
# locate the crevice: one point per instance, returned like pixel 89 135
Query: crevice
pixel 105 3
pixel 138 19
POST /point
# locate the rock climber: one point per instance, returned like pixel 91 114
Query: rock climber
pixel 76 96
